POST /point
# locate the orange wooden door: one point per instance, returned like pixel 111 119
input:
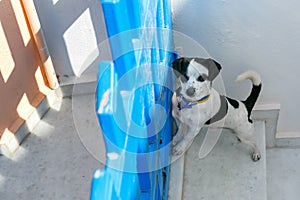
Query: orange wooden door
pixel 22 79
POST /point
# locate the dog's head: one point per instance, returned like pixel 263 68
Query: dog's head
pixel 196 76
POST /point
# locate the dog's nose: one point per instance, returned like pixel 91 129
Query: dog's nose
pixel 190 92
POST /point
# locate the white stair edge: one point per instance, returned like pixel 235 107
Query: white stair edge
pixel 268 113
pixel 76 86
pixel 287 140
pixel 176 179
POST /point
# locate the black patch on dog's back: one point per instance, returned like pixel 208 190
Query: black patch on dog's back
pixel 221 113
pixel 233 102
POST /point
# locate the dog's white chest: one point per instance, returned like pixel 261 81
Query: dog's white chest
pixel 195 116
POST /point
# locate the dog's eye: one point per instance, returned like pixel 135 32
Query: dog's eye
pixel 200 78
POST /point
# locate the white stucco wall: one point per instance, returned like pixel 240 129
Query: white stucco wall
pixel 73 29
pixel 259 35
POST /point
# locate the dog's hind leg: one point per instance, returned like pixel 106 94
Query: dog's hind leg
pixel 246 135
pixel 255 151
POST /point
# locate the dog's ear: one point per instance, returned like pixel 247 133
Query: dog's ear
pixel 213 67
pixel 180 66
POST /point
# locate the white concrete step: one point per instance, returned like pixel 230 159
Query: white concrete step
pixel 287 139
pixel 227 173
pixel 176 179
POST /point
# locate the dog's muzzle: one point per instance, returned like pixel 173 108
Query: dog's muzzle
pixel 190 92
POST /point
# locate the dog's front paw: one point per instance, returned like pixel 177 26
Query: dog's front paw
pixel 175 140
pixel 178 149
pixel 256 156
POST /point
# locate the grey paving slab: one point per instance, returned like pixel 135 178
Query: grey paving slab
pixel 51 163
pixel 283 174
pixel 227 173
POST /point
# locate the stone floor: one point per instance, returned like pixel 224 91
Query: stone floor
pixel 51 163
pixel 56 162
pixel 227 172
pixel 283 174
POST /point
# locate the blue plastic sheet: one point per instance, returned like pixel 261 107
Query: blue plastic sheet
pixel 133 101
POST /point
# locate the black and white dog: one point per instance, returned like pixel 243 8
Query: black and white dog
pixel 196 103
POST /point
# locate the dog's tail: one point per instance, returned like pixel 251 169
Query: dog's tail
pixel 256 88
